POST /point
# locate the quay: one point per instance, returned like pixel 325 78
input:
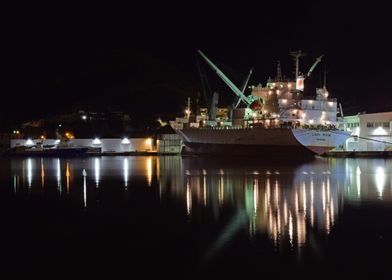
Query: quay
pixel 359 154
pixel 164 144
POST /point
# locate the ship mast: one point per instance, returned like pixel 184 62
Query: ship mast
pixel 296 55
pixel 279 73
pixel 188 108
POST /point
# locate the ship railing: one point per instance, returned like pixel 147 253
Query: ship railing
pixel 243 127
pixel 320 127
pixel 270 126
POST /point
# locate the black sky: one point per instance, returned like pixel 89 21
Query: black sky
pixel 57 56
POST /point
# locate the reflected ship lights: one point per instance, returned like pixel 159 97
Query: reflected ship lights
pixel 284 210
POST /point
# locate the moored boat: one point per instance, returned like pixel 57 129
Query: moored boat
pixel 60 150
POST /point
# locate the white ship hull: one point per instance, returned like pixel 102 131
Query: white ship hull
pixel 277 142
pixel 321 141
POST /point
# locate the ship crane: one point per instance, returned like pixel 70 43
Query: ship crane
pixel 248 100
pixel 314 66
pixel 300 78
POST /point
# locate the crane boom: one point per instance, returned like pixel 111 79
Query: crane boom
pixel 246 99
pixel 341 110
pixel 243 88
pixel 314 65
pixel 246 81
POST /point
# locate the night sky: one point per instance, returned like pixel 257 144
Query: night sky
pixel 61 56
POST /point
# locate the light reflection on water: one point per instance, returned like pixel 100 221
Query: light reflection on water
pixel 283 201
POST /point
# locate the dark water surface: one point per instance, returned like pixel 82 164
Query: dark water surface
pixel 194 218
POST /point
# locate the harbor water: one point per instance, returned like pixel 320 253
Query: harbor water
pixel 195 217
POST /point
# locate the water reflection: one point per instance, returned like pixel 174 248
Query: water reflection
pixel 58 174
pixel 285 202
pixel 149 170
pixel 380 180
pixel 99 171
pixel 125 172
pixel 67 175
pixel 42 174
pixel 29 172
pixel 84 173
pixel 97 166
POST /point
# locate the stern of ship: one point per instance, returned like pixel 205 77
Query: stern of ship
pixel 320 141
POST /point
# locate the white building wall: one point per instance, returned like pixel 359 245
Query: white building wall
pixel 115 145
pixel 374 132
pixel 169 143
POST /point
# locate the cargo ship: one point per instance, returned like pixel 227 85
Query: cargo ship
pixel 276 120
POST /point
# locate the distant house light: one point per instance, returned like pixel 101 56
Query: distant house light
pixel 96 141
pixel 84 117
pixel 125 141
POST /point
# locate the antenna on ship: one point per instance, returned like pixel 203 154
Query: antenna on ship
pixel 325 76
pixel 296 55
pixel 278 72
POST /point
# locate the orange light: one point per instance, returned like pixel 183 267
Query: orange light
pixel 69 135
